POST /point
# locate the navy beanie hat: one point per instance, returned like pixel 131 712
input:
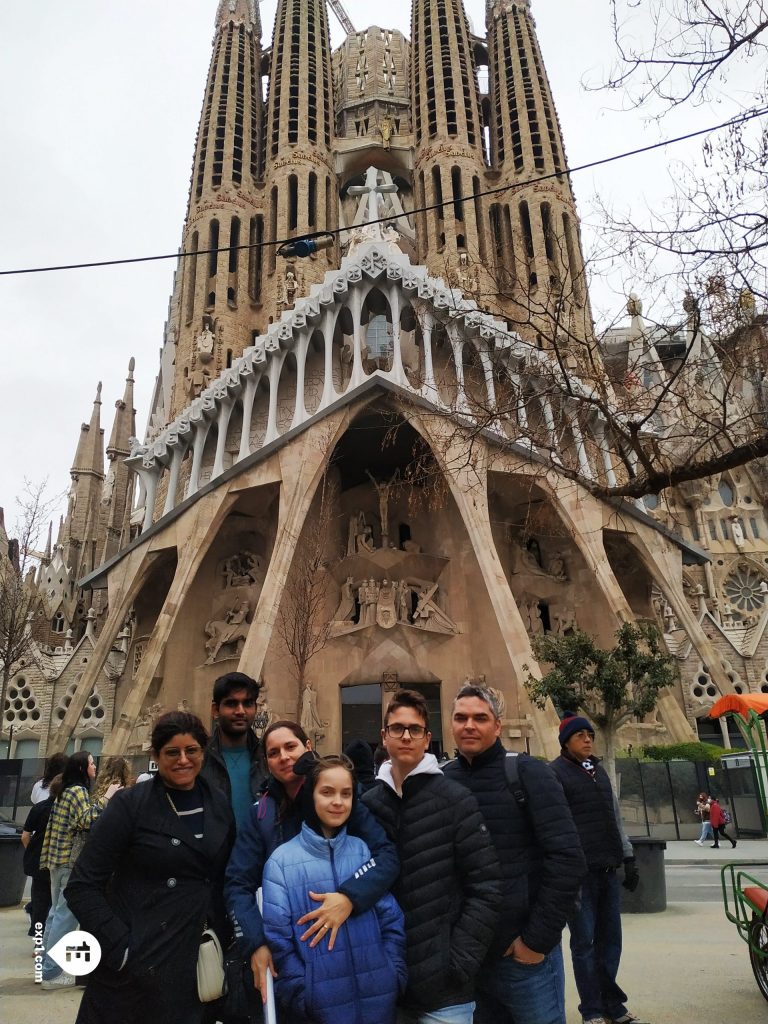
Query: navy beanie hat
pixel 573 724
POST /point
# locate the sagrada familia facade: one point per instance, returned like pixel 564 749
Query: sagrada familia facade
pixel 353 474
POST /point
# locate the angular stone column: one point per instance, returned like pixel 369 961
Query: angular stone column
pixel 302 464
pixel 194 534
pixel 469 488
pixel 664 564
pixel 124 585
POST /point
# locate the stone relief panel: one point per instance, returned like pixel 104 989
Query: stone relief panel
pixel 384 585
pixel 240 577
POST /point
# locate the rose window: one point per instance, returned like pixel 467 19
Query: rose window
pixel 742 588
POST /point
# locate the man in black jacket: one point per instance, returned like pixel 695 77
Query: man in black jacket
pixel 522 979
pixel 232 757
pixel 596 925
pixel 448 886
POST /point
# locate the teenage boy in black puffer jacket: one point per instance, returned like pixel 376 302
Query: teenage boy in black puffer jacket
pixel 449 885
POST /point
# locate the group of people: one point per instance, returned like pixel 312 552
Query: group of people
pixel 436 894
pixel 713 821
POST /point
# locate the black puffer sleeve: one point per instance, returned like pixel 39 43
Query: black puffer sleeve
pixel 562 866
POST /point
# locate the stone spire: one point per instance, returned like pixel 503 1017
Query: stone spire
pixel 535 247
pixel 300 183
pixel 81 533
pixel 217 292
pixel 118 485
pixel 89 456
pixel 448 132
pixel 239 12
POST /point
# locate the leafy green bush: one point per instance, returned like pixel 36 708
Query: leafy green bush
pixel 708 752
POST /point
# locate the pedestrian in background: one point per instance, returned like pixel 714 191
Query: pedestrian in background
pixel 718 821
pixel 702 809
pixel 73 811
pixel 54 766
pixel 32 838
pixel 595 925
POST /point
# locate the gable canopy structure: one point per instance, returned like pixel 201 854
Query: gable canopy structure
pixel 379 438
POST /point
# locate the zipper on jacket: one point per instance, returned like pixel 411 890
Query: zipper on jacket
pixel 347 945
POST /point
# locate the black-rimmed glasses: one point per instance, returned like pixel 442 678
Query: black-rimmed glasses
pixel 397 730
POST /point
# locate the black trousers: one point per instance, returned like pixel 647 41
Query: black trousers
pixel 40 900
pixel 720 831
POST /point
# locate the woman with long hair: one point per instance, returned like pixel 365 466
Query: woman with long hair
pixel 115 770
pixel 702 809
pixel 276 818
pixel 149 880
pixel 54 766
pixel 73 811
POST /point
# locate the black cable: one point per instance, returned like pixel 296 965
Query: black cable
pixel 389 219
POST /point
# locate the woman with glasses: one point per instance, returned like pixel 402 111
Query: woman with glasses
pixel 275 820
pixel 150 880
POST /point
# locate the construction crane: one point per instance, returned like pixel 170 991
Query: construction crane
pixel 341 16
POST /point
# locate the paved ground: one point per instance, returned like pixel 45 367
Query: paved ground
pixel 684 966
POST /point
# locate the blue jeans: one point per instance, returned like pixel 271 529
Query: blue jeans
pixel 461 1013
pixel 60 920
pixel 706 831
pixel 596 946
pixel 513 993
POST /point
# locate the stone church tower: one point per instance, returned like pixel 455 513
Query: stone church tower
pixel 310 411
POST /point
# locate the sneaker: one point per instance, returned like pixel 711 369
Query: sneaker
pixel 715 847
pixel 595 1020
pixel 62 980
pixel 627 1018
pixel 699 842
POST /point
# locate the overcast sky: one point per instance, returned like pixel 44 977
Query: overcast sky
pixel 99 104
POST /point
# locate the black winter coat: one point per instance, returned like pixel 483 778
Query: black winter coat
pixel 448 887
pixel 215 770
pixel 541 859
pixel 145 884
pixel 590 798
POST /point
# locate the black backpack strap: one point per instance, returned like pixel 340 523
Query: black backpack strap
pixel 516 788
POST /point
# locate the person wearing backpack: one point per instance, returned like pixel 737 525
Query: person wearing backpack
pixel 718 821
pixel 524 809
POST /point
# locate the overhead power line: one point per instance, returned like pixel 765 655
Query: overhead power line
pixel 499 190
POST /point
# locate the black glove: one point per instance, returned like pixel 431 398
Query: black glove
pixel 631 874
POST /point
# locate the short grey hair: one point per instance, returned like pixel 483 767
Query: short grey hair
pixel 483 693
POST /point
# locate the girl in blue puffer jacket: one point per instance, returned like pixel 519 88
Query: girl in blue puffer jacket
pixel 358 980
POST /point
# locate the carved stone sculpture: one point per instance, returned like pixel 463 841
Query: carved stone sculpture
pixel 365 540
pixel 428 615
pixel 386 608
pixel 205 342
pixel 356 530
pixel 310 720
pixel 737 533
pixel 383 491
pixel 243 570
pixel 346 609
pixel 404 592
pixel 231 632
pixel 369 597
